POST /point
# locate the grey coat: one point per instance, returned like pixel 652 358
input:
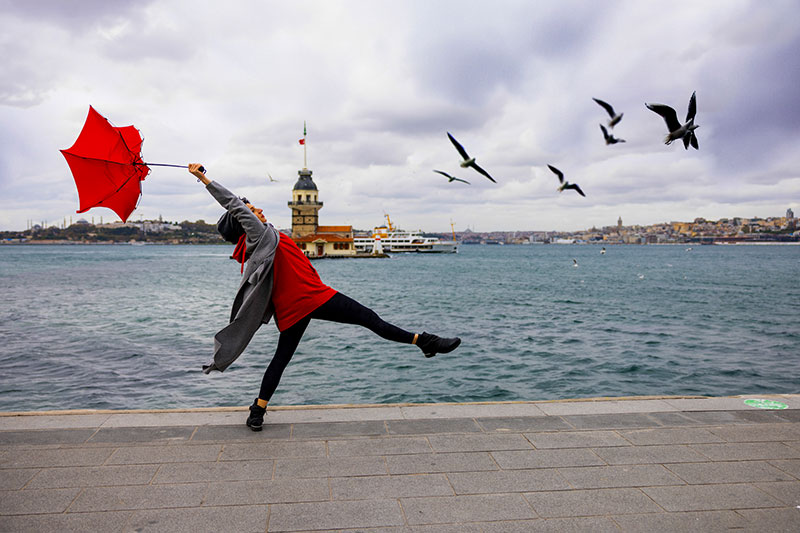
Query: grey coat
pixel 253 303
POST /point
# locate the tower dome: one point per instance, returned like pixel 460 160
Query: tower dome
pixel 304 182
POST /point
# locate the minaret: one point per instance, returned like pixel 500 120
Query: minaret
pixel 304 205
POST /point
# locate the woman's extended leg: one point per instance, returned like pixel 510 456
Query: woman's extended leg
pixel 341 308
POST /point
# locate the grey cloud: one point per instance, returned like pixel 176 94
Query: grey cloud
pixel 73 15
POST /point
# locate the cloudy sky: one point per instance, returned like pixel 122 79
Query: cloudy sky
pixel 379 84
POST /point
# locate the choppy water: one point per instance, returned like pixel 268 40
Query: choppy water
pixel 129 326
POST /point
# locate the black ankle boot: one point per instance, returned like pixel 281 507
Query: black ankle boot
pixel 256 418
pixel 431 344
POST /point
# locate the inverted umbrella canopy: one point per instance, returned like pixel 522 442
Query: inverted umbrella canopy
pixel 107 165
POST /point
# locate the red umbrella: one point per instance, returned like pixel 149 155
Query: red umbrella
pixel 107 165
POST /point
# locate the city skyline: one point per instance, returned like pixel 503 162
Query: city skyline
pixel 380 84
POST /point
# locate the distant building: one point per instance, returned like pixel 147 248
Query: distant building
pixel 789 214
pixel 313 239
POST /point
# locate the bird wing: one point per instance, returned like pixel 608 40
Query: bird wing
pixel 694 142
pixel 607 107
pixel 557 173
pixel 459 179
pixel 686 139
pixel 668 114
pixel 692 108
pixel 605 132
pixel 444 174
pixel 479 169
pixel 458 146
pixel 576 188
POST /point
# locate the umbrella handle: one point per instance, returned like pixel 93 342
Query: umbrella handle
pixel 202 169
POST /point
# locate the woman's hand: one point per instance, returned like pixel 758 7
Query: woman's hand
pixel 195 170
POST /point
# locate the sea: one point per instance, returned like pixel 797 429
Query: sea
pixel 129 327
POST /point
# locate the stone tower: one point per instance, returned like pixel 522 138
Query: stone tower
pixel 304 205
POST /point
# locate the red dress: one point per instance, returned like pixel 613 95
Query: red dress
pixel 297 289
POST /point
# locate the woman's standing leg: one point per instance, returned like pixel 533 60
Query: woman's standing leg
pixel 287 344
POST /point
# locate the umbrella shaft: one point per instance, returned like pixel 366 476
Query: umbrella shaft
pixel 161 165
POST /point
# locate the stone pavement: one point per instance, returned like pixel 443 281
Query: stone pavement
pixel 655 464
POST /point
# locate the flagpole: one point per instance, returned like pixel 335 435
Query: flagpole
pixel 305 162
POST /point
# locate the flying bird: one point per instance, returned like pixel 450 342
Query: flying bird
pixel 565 184
pixel 615 118
pixel 451 178
pixel 271 178
pixel 467 160
pixel 575 263
pixel 677 130
pixel 610 139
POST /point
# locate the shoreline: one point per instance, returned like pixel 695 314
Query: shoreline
pixel 323 407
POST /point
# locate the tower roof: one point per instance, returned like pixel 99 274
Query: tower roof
pixel 304 182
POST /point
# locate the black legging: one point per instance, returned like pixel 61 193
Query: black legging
pixel 339 308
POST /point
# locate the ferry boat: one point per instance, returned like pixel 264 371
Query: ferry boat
pixel 389 239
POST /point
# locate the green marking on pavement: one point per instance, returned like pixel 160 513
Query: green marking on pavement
pixel 765 404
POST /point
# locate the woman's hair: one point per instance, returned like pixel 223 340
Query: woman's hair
pixel 229 227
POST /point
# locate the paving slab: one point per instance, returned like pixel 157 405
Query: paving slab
pixel 330 467
pixel 379 446
pixel 399 486
pixel 13 479
pixel 93 476
pixel 507 481
pixel 610 421
pixel 111 522
pixel 138 497
pixel 682 464
pixel 786 491
pixel 335 515
pixel 239 518
pixel 695 521
pixel 711 497
pixel 45 437
pixel 513 460
pixel 473 410
pixel 728 472
pixel 455 509
pixel 429 463
pixel 591 502
pixel 41 501
pixel 61 421
pixel 522 423
pixel 478 443
pixel 606 407
pixel 267 491
pixel 746 451
pixel 576 439
pixel 772 520
pixel 683 435
pixel 606 477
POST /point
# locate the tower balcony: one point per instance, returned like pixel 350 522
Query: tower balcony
pixel 304 202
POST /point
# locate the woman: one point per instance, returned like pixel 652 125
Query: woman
pixel 279 280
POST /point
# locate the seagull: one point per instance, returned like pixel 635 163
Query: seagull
pixel 575 263
pixel 611 113
pixel 271 178
pixel 610 139
pixel 603 251
pixel 565 184
pixel 468 161
pixel 451 178
pixel 676 129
